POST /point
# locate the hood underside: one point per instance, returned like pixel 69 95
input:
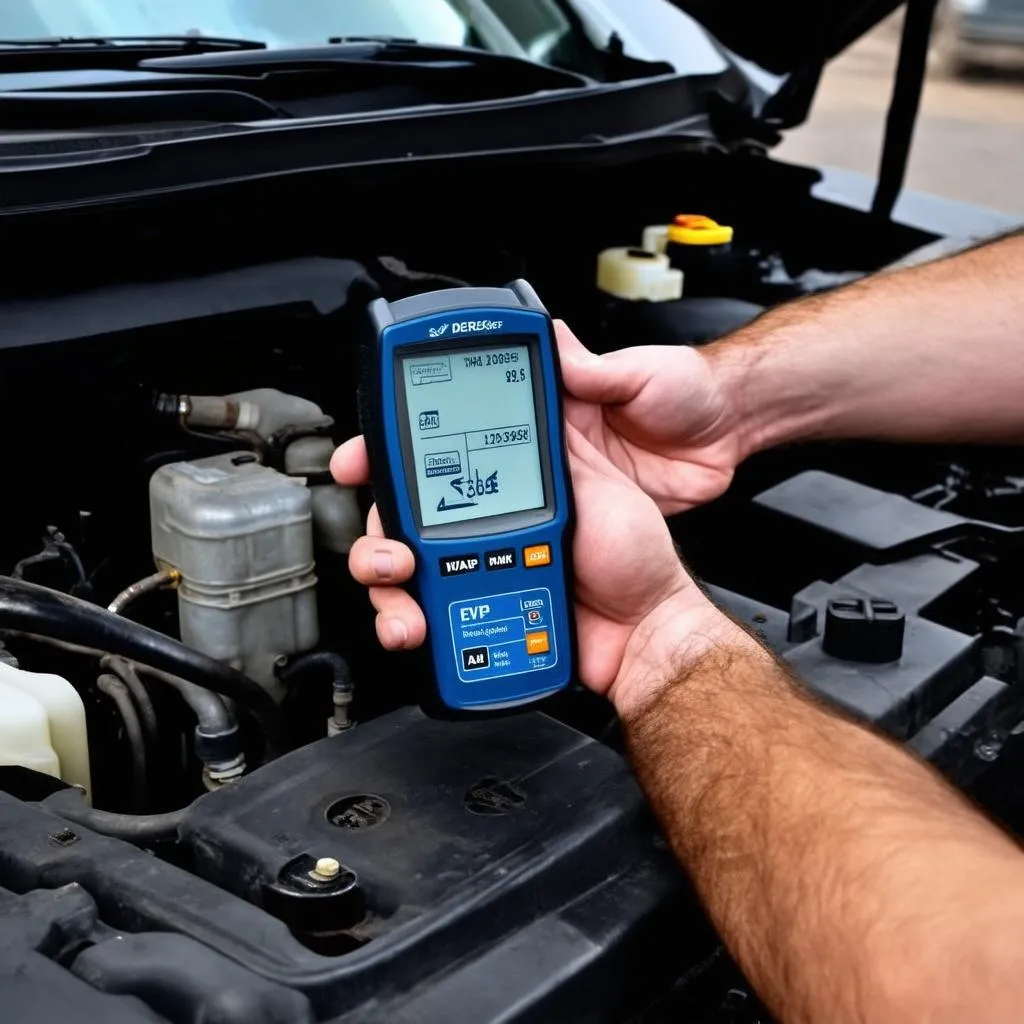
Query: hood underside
pixel 787 36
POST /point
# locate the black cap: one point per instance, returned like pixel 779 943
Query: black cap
pixel 864 629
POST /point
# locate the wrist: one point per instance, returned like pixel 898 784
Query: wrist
pixel 770 383
pixel 667 644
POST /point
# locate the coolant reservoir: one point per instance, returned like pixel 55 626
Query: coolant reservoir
pixel 42 726
pixel 241 535
pixel 701 248
pixel 637 275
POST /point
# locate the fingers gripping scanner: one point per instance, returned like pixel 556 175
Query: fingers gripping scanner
pixel 462 413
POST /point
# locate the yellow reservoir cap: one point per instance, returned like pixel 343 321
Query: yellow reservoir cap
pixel 696 229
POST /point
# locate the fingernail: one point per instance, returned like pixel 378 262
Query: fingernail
pixel 383 565
pixel 396 633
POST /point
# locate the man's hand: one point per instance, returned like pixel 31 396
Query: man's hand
pixel 636 608
pixel 849 881
pixel 659 414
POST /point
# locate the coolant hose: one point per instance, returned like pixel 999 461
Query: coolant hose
pixel 133 828
pixel 34 609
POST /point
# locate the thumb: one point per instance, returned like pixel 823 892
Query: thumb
pixel 602 380
pixel 350 465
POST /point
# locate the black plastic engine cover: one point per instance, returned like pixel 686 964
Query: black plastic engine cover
pixel 498 870
pixel 454 835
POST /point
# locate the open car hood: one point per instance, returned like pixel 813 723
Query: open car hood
pixel 788 36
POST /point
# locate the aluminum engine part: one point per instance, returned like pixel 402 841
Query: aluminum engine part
pixel 241 535
pixel 267 413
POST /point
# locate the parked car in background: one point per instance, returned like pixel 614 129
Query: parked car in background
pixel 979 35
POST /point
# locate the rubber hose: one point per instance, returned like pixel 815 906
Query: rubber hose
pixel 141 829
pixel 329 662
pixel 128 673
pixel 117 691
pixel 209 709
pixel 212 714
pixel 35 609
pixel 140 695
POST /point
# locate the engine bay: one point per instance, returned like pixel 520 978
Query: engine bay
pixel 217 799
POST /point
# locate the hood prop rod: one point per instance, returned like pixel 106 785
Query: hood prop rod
pixel 904 105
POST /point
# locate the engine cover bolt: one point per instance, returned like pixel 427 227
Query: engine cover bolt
pixel 327 870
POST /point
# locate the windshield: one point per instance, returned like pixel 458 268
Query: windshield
pixel 537 29
pixel 562 33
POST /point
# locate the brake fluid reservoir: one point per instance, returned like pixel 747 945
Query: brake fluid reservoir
pixel 241 535
pixel 42 726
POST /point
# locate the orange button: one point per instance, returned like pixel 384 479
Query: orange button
pixel 538 643
pixel 538 555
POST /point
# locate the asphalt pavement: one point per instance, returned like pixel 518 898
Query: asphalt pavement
pixel 969 143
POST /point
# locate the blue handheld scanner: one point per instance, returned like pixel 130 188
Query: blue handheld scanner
pixel 462 413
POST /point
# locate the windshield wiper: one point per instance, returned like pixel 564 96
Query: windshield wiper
pixel 383 59
pixel 271 84
pixel 183 42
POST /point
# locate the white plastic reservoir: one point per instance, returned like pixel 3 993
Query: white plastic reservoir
pixel 42 726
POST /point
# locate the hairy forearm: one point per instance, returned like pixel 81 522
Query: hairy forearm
pixel 932 353
pixel 850 881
